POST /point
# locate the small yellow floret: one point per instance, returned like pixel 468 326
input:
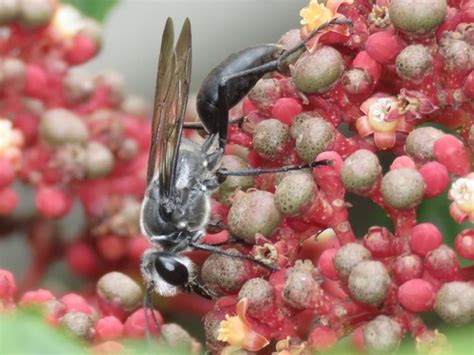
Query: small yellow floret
pixel 315 14
pixel 233 330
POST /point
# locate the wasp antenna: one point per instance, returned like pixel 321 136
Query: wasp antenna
pixel 146 307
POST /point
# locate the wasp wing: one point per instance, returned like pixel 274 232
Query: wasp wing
pixel 172 89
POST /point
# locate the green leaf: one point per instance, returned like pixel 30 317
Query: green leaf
pixel 26 332
pixel 96 9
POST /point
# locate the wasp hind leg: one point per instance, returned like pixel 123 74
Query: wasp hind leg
pixel 223 173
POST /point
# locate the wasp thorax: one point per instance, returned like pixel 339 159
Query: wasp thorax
pixel 271 138
pixel 252 213
pixel 233 183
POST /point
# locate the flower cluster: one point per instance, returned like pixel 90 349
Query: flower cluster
pixel 376 87
pixel 395 82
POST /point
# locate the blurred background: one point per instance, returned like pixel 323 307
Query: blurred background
pixel 132 34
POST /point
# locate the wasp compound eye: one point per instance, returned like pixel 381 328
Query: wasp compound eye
pixel 171 270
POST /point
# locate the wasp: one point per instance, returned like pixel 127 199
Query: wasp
pixel 181 174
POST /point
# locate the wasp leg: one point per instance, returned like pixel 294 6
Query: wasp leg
pixel 227 242
pixel 202 290
pixel 336 21
pixel 214 250
pixel 198 125
pixel 258 71
pixel 223 173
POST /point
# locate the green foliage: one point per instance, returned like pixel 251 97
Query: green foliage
pixel 25 332
pixel 97 9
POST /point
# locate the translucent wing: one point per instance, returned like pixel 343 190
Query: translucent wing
pixel 172 89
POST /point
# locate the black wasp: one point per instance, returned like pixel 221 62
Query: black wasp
pixel 181 174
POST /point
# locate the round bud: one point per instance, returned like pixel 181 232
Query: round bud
pixel 414 62
pixel 36 13
pixel 458 55
pixel 264 94
pixel 315 136
pixel 78 323
pixel 233 183
pixel 402 188
pixel 224 271
pixel 78 86
pixel 108 328
pixel 99 160
pixel 259 292
pixel 289 40
pixel 357 82
pixel 114 82
pixel 295 129
pixel 135 105
pixel 299 287
pixel 9 10
pixel 326 264
pixel 417 17
pixel 416 295
pixel 442 263
pixel 13 73
pixel 368 282
pixel 136 325
pixel 251 213
pixel 379 241
pixel 119 288
pixel 348 256
pixel 419 143
pixel 382 335
pixel 271 138
pixel 383 46
pixel 360 171
pixel 60 126
pixel 424 237
pixel 322 339
pixel 454 302
pixel 317 72
pixel 407 267
pixel 179 338
pixel 436 178
pixel 294 192
pixel 464 244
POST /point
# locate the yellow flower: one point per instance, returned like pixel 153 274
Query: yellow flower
pixel 315 14
pixel 237 331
